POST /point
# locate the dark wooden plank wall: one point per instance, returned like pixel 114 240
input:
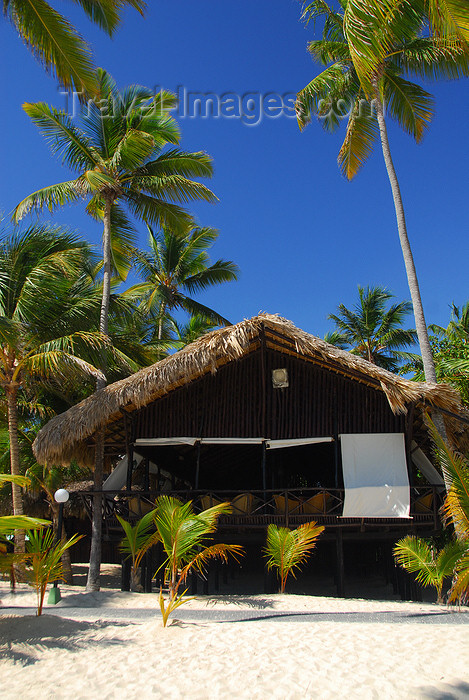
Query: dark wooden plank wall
pixel 318 402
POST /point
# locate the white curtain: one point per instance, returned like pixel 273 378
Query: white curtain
pixel 375 476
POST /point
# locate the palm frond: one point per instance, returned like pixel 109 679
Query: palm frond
pixel 63 137
pixel 416 556
pixel 51 197
pixel 409 104
pixel 362 130
pixel 54 42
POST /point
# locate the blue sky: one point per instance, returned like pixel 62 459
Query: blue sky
pixel 303 236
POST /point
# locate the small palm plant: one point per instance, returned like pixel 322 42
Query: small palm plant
pixel 185 536
pixel 417 556
pixel 287 550
pixel 432 566
pixel 137 541
pixel 45 560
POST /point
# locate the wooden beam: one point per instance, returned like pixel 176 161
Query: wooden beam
pixel 340 563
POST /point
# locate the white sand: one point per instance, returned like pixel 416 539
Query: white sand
pixel 58 658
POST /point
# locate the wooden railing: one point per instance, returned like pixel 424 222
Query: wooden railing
pixel 258 508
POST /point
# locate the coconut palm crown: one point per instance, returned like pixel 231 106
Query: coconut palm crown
pixel 177 266
pixel 396 47
pixel 119 152
pixel 373 331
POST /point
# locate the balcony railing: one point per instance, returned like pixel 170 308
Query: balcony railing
pixel 258 508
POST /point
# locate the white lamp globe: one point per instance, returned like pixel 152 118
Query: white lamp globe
pixel 61 495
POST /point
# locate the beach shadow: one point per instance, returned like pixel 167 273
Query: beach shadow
pixel 22 635
pixel 451 691
pixel 257 603
pixel 387 617
pixel 87 600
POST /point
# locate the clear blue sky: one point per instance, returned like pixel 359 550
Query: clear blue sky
pixel 302 235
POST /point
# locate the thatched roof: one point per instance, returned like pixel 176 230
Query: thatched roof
pixel 67 436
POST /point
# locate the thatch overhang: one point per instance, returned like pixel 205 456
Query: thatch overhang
pixel 71 434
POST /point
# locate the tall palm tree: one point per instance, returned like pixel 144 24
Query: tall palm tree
pixel 395 47
pixel 176 266
pixel 120 156
pixel 37 271
pixel 54 40
pixel 373 331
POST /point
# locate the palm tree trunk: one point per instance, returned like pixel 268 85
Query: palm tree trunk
pixel 160 322
pixel 11 390
pixel 420 324
pixel 92 583
pixel 104 316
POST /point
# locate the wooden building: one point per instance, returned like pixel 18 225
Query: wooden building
pixel 282 424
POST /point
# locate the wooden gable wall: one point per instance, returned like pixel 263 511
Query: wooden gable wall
pixel 237 402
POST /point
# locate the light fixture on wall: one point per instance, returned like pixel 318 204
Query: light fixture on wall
pixel 280 378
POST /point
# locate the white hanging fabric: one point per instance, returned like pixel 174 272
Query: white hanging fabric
pixel 375 476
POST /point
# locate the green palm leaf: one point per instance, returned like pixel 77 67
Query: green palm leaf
pixel 54 42
pixel 362 130
pixel 416 556
pixel 51 197
pixel 287 550
pixel 10 523
pixel 408 104
pixel 456 471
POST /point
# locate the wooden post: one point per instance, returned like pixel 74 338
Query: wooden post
pixel 336 441
pixel 129 440
pixel 197 467
pixel 147 583
pixel 130 465
pixel 264 475
pixel 146 475
pixel 125 575
pixel 408 439
pixel 263 383
pixel 340 563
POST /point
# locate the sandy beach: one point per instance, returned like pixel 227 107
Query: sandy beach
pixel 335 648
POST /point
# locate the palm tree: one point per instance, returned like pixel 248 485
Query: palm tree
pixel 450 347
pixel 432 566
pixel 178 265
pixel 119 153
pixel 287 550
pixel 395 47
pixel 56 43
pixel 37 271
pixel 185 537
pixel 185 333
pixel 372 331
pixel 416 555
pixel 138 539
